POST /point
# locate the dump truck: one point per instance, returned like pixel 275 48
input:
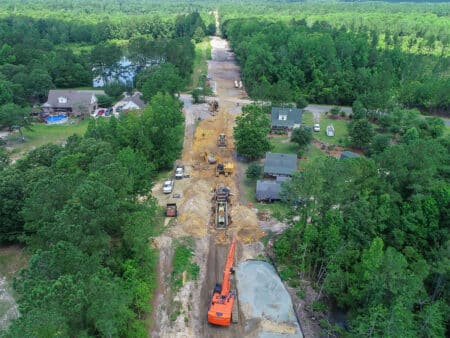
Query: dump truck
pixel 224 168
pixel 222 141
pixel 221 308
pixel 171 210
pixel 222 218
pixel 221 215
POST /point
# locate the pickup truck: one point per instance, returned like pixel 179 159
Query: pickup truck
pixel 179 172
pixel 168 186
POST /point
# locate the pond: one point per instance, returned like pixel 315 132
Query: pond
pixel 124 73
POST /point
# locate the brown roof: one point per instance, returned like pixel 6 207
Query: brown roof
pixel 72 96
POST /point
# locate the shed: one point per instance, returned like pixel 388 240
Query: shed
pixel 348 154
pixel 286 118
pixel 280 164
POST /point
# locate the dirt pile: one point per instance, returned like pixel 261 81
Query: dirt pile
pixel 245 224
pixel 194 213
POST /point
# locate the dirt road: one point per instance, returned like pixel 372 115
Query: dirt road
pixel 195 208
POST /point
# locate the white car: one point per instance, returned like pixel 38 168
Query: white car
pixel 316 127
pixel 168 186
pixel 179 172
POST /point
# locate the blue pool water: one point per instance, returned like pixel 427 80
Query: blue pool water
pixel 56 119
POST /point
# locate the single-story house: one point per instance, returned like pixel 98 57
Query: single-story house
pixel 280 164
pixel 70 101
pixel 128 103
pixel 286 119
pixel 269 190
pixel 348 154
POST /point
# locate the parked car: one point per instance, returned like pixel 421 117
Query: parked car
pixel 316 127
pixel 168 186
pixel 179 172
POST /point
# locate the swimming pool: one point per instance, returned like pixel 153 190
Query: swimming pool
pixel 57 119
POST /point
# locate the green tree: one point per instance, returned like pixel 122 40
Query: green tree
pixel 251 132
pixel 163 78
pixel 253 171
pixel 6 93
pixel 104 100
pixel 360 133
pixel 14 116
pixel 302 136
pixel 199 34
pixel 163 122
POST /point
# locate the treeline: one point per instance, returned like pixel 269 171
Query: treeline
pixel 36 55
pixel 373 236
pixel 284 62
pixel 78 210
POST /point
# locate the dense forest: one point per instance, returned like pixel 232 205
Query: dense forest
pixel 80 208
pixel 285 61
pixel 373 236
pixel 77 209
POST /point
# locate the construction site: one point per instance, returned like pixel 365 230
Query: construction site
pixel 225 232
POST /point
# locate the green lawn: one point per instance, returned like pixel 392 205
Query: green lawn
pixel 42 134
pixel 340 128
pixel 281 144
pixel 202 54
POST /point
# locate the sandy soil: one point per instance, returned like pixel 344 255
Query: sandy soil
pixel 194 196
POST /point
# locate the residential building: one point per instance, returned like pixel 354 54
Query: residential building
pixel 76 102
pixel 280 164
pixel 286 119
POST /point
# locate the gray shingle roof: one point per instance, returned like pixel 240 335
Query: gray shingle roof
pixel 280 164
pixel 348 154
pixel 72 96
pixel 266 190
pixel 293 116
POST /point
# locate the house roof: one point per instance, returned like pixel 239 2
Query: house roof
pixel 72 96
pixel 292 116
pixel 348 154
pixel 136 99
pixel 268 190
pixel 280 164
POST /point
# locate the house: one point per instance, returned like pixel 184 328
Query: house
pixel 76 102
pixel 286 119
pixel 280 164
pixel 269 190
pixel 348 154
pixel 128 103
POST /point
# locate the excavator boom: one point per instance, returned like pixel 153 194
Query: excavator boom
pixel 223 298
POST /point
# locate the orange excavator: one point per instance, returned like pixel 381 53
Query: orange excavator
pixel 223 298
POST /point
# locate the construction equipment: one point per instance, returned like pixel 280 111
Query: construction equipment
pixel 213 106
pixel 209 157
pixel 221 307
pixel 222 141
pixel 171 210
pixel 222 219
pixel 224 168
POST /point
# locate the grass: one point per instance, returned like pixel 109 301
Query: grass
pixel 182 262
pixel 202 54
pixel 281 144
pixel 41 134
pixel 340 128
